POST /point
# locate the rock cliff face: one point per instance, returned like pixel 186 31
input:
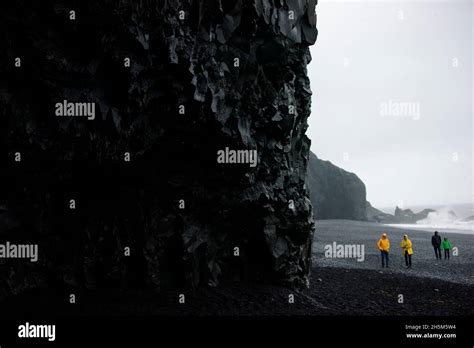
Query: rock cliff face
pixel 173 82
pixel 335 193
pixel 374 214
pixel 338 194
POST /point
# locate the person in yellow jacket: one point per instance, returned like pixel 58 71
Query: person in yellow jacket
pixel 384 246
pixel 407 248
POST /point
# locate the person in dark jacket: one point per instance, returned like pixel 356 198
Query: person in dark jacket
pixel 436 243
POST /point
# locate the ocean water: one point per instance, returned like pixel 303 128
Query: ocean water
pixel 443 220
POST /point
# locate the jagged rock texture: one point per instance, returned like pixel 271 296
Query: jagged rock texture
pixel 174 62
pixel 401 216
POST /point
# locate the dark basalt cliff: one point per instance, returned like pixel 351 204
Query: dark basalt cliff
pixel 374 214
pixel 338 194
pixel 218 74
pixel 335 193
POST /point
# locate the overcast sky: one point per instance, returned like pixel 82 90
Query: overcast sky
pixel 374 57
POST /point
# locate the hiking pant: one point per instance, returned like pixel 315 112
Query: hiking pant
pixel 437 250
pixel 446 254
pixel 407 259
pixel 384 257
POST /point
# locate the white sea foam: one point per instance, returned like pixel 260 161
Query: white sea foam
pixel 431 228
pixel 444 219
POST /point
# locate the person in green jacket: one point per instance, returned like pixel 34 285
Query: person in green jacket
pixel 446 246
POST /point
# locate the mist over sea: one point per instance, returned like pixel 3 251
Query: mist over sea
pixel 454 218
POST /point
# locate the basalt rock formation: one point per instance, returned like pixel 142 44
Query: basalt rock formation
pixel 338 194
pixel 335 193
pixel 134 196
pixel 401 216
pixel 374 214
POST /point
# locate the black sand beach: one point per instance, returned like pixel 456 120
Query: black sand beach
pixel 333 291
pixel 338 286
pixel 458 269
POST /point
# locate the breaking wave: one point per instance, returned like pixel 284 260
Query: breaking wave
pixel 442 220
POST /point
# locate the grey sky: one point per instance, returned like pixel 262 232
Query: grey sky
pixel 388 54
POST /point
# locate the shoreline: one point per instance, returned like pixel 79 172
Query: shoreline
pixel 338 287
pixel 428 229
pixel 458 269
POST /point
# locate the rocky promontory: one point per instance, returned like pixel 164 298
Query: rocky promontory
pixel 335 193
